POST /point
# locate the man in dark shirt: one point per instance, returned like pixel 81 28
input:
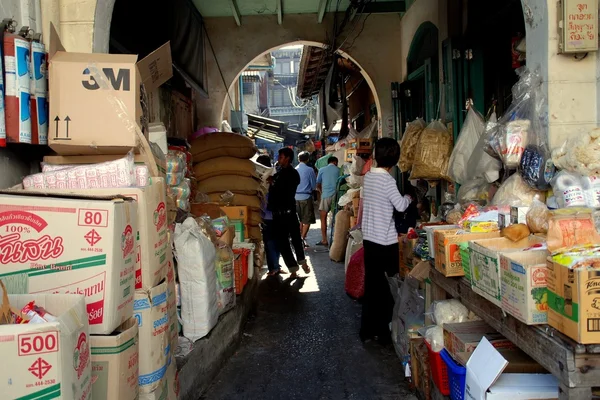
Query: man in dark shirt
pixel 282 203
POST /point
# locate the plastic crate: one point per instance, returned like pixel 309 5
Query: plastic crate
pixel 457 375
pixel 439 371
pixel 465 256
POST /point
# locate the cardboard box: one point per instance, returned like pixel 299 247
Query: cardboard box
pixel 518 215
pixel 172 305
pixel 237 212
pixel 152 233
pixel 523 286
pixel 95 106
pixel 503 220
pixel 150 310
pixel 447 252
pixel 430 233
pixel 481 226
pixel 485 380
pixel 83 245
pixel 518 362
pixel 574 303
pixel 115 363
pixel 49 360
pixel 485 264
pixel 464 337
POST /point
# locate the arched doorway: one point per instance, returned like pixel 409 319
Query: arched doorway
pixel 419 93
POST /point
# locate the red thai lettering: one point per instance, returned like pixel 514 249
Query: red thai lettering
pixel 15 251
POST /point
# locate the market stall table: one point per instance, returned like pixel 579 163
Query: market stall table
pixel 576 366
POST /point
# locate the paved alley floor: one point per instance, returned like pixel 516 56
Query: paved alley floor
pixel 303 344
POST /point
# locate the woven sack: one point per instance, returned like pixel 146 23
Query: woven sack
pixel 432 153
pixel 409 143
pixel 337 252
pixel 234 183
pixel 222 144
pixel 224 166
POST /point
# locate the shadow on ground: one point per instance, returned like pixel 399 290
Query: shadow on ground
pixel 303 344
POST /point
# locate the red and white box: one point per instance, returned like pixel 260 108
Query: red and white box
pixel 82 245
pixel 48 360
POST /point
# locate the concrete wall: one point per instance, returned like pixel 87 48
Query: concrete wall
pixel 235 48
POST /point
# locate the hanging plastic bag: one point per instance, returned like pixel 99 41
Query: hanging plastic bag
pixel 463 150
pixel 481 163
pixel 515 192
pixel 432 153
pixel 476 190
pixel 409 142
pixel 355 242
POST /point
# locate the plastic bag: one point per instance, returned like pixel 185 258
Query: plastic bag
pixel 432 153
pixel 355 181
pixel 481 163
pixel 409 311
pixel 537 217
pixel 357 165
pixel 463 150
pixel 491 138
pixel 225 282
pixel 571 227
pixel 182 193
pixel 580 154
pixel 347 197
pixel 355 242
pixel 568 190
pixel 434 335
pixel 408 144
pixel 197 280
pixel 476 190
pixel 176 161
pixel 449 312
pixel 515 192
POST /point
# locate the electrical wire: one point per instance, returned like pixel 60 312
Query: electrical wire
pixel 359 32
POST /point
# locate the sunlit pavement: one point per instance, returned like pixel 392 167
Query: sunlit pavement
pixel 304 344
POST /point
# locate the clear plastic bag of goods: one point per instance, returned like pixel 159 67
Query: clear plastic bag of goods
pixel 434 335
pixel 176 161
pixel 537 217
pixel 468 139
pixel 432 153
pixel 357 165
pixel 355 181
pixel 347 197
pixel 515 192
pixel 481 163
pixel 491 138
pixel 580 154
pixel 355 242
pixel 476 190
pixel 182 193
pixel 448 312
pixel 409 142
pixel 571 227
pixel 225 280
pixel 197 280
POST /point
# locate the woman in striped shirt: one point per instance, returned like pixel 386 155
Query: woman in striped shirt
pixel 380 198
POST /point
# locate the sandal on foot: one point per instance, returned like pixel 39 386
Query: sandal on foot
pixel 321 243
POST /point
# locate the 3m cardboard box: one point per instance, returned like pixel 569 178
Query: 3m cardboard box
pixel 447 251
pixel 95 106
pixel 115 363
pixel 485 264
pixel 83 245
pixel 574 302
pixel 152 239
pixel 150 310
pixel 464 337
pixel 48 360
pixel 523 286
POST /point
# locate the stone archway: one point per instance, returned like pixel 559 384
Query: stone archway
pixel 226 102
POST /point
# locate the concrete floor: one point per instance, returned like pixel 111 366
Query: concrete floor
pixel 304 344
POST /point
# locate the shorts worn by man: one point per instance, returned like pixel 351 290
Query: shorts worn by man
pixel 326 184
pixel 304 201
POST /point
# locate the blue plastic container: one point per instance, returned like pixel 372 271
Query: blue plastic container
pixel 457 375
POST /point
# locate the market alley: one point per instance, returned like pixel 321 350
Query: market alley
pixel 304 344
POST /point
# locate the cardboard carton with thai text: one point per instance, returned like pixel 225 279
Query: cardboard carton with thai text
pixel 115 363
pixel 447 252
pixel 150 310
pixel 82 245
pixel 47 360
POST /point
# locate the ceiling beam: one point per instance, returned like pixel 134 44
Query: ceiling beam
pixel 385 7
pixel 279 12
pixel 322 8
pixel 236 12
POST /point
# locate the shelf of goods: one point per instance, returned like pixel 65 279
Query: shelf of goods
pixel 576 366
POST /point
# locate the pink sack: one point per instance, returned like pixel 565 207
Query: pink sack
pixel 355 275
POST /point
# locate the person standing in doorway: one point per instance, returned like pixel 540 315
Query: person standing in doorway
pixel 305 205
pixel 271 249
pixel 380 198
pixel 326 184
pixel 282 204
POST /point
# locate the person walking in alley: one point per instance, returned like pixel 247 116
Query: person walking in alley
pixel 326 184
pixel 271 249
pixel 305 205
pixel 380 198
pixel 282 204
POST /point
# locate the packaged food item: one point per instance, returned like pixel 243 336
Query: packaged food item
pixel 537 217
pixel 571 227
pixel 515 192
pixel 568 190
pixel 411 137
pixel 516 232
pixel 515 140
pixel 432 153
pixel 580 154
pixel 33 314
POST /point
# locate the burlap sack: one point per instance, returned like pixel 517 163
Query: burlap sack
pixel 408 144
pixel 222 144
pixel 433 153
pixel 234 183
pixel 224 166
pixel 337 251
pixel 254 202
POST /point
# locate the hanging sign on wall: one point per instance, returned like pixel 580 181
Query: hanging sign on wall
pixel 579 26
